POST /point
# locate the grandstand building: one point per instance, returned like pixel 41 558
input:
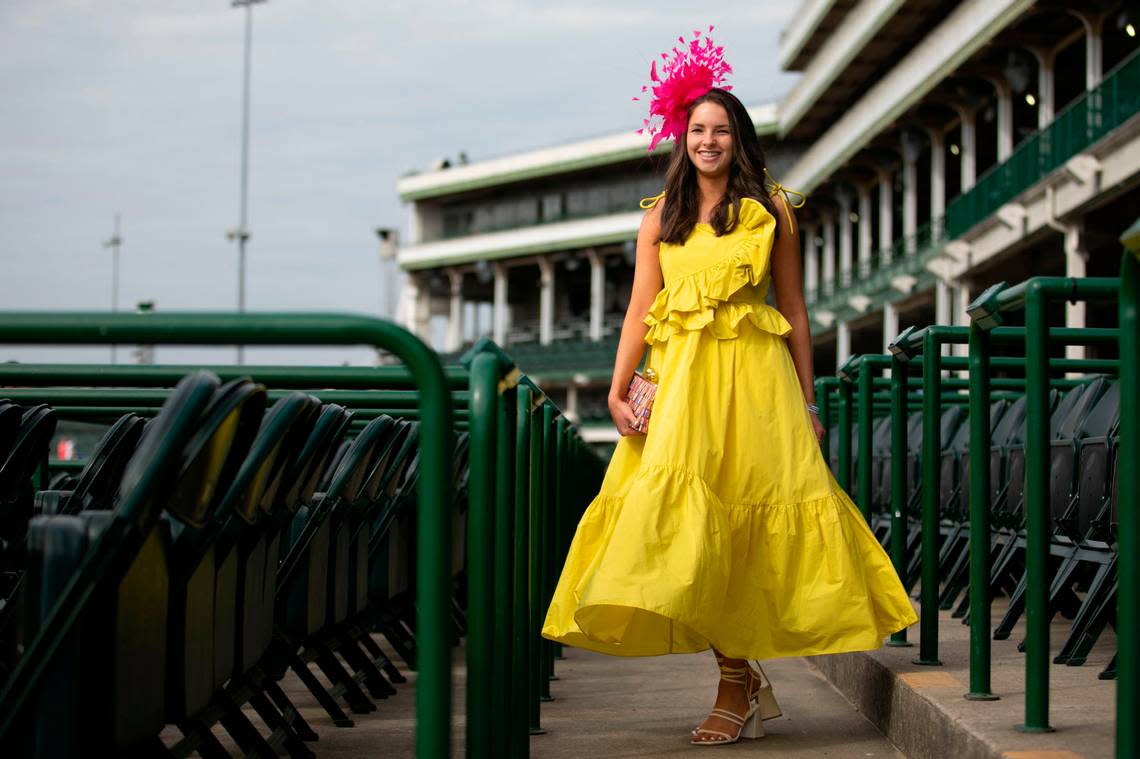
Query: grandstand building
pixel 944 146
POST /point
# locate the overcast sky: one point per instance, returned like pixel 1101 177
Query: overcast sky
pixel 133 107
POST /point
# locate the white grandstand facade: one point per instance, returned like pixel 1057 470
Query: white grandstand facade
pixel 944 146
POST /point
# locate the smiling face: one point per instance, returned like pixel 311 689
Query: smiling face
pixel 709 140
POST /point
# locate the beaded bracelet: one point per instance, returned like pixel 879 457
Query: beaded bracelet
pixel 813 408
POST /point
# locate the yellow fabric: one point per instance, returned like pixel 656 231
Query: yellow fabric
pixel 723 525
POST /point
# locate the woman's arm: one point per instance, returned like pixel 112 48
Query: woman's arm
pixel 647 283
pixel 789 293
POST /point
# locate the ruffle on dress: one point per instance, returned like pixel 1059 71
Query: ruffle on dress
pixel 711 298
pixel 755 580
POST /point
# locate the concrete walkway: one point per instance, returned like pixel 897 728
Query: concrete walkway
pixel 610 707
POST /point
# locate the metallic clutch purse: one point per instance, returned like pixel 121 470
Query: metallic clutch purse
pixel 642 388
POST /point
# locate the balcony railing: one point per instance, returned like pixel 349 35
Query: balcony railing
pixel 906 256
pixel 1087 119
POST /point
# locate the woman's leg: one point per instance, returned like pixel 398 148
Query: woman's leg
pixel 736 685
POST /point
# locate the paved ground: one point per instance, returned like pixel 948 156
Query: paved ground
pixel 611 707
pixel 606 707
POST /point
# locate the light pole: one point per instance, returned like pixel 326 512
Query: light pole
pixel 114 244
pixel 241 234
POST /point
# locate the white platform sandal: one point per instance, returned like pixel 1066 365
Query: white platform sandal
pixel 761 706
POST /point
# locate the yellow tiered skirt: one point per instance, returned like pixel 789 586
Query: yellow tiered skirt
pixel 723 526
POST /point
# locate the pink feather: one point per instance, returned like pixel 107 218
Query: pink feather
pixel 689 71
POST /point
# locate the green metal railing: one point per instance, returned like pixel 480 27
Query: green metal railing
pixel 1081 123
pixel 1033 297
pixel 520 514
pixel 433 693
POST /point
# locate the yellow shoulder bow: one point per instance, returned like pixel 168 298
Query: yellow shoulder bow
pixel 788 192
pixel 647 203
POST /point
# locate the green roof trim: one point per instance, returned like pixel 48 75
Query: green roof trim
pixel 551 169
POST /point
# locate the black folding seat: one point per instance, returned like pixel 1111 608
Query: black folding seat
pixel 92 679
pixel 27 452
pixel 949 422
pixel 25 436
pixel 1064 425
pixel 1093 458
pixel 230 422
pixel 390 546
pixel 232 521
pixel 1063 448
pixel 1099 607
pixel 97 485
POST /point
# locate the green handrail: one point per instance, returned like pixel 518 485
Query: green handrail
pixel 168 375
pixel 433 571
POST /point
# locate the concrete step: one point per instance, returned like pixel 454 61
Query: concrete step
pixel 922 709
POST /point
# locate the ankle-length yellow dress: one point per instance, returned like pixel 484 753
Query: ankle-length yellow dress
pixel 723 526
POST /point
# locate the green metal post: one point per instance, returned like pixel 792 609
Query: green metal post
pixel 931 467
pixel 520 682
pixel 505 408
pixel 546 655
pixel 866 411
pixel 899 521
pixel 844 431
pixel 1037 516
pixel 979 485
pixel 480 555
pixel 535 505
pixel 562 454
pixel 1128 528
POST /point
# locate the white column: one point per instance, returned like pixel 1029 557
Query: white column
pixel 845 242
pixel 1046 94
pixel 828 254
pixel 937 175
pixel 1004 119
pixel 886 214
pixel 500 315
pixel 597 292
pixel 943 309
pixel 865 222
pixel 911 149
pixel 545 300
pixel 962 319
pixel 572 403
pixel 842 343
pixel 890 325
pixel 422 306
pixel 406 306
pixel 968 148
pixel 1094 49
pixel 1076 265
pixel 811 262
pixel 455 318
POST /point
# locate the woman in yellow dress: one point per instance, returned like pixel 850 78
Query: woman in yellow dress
pixel 722 527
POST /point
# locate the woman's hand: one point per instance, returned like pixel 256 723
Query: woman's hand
pixel 817 426
pixel 623 416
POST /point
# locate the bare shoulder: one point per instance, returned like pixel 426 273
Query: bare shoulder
pixel 785 214
pixel 651 222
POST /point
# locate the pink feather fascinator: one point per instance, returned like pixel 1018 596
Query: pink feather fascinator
pixel 689 70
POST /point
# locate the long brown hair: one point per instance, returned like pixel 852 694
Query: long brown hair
pixel 745 175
